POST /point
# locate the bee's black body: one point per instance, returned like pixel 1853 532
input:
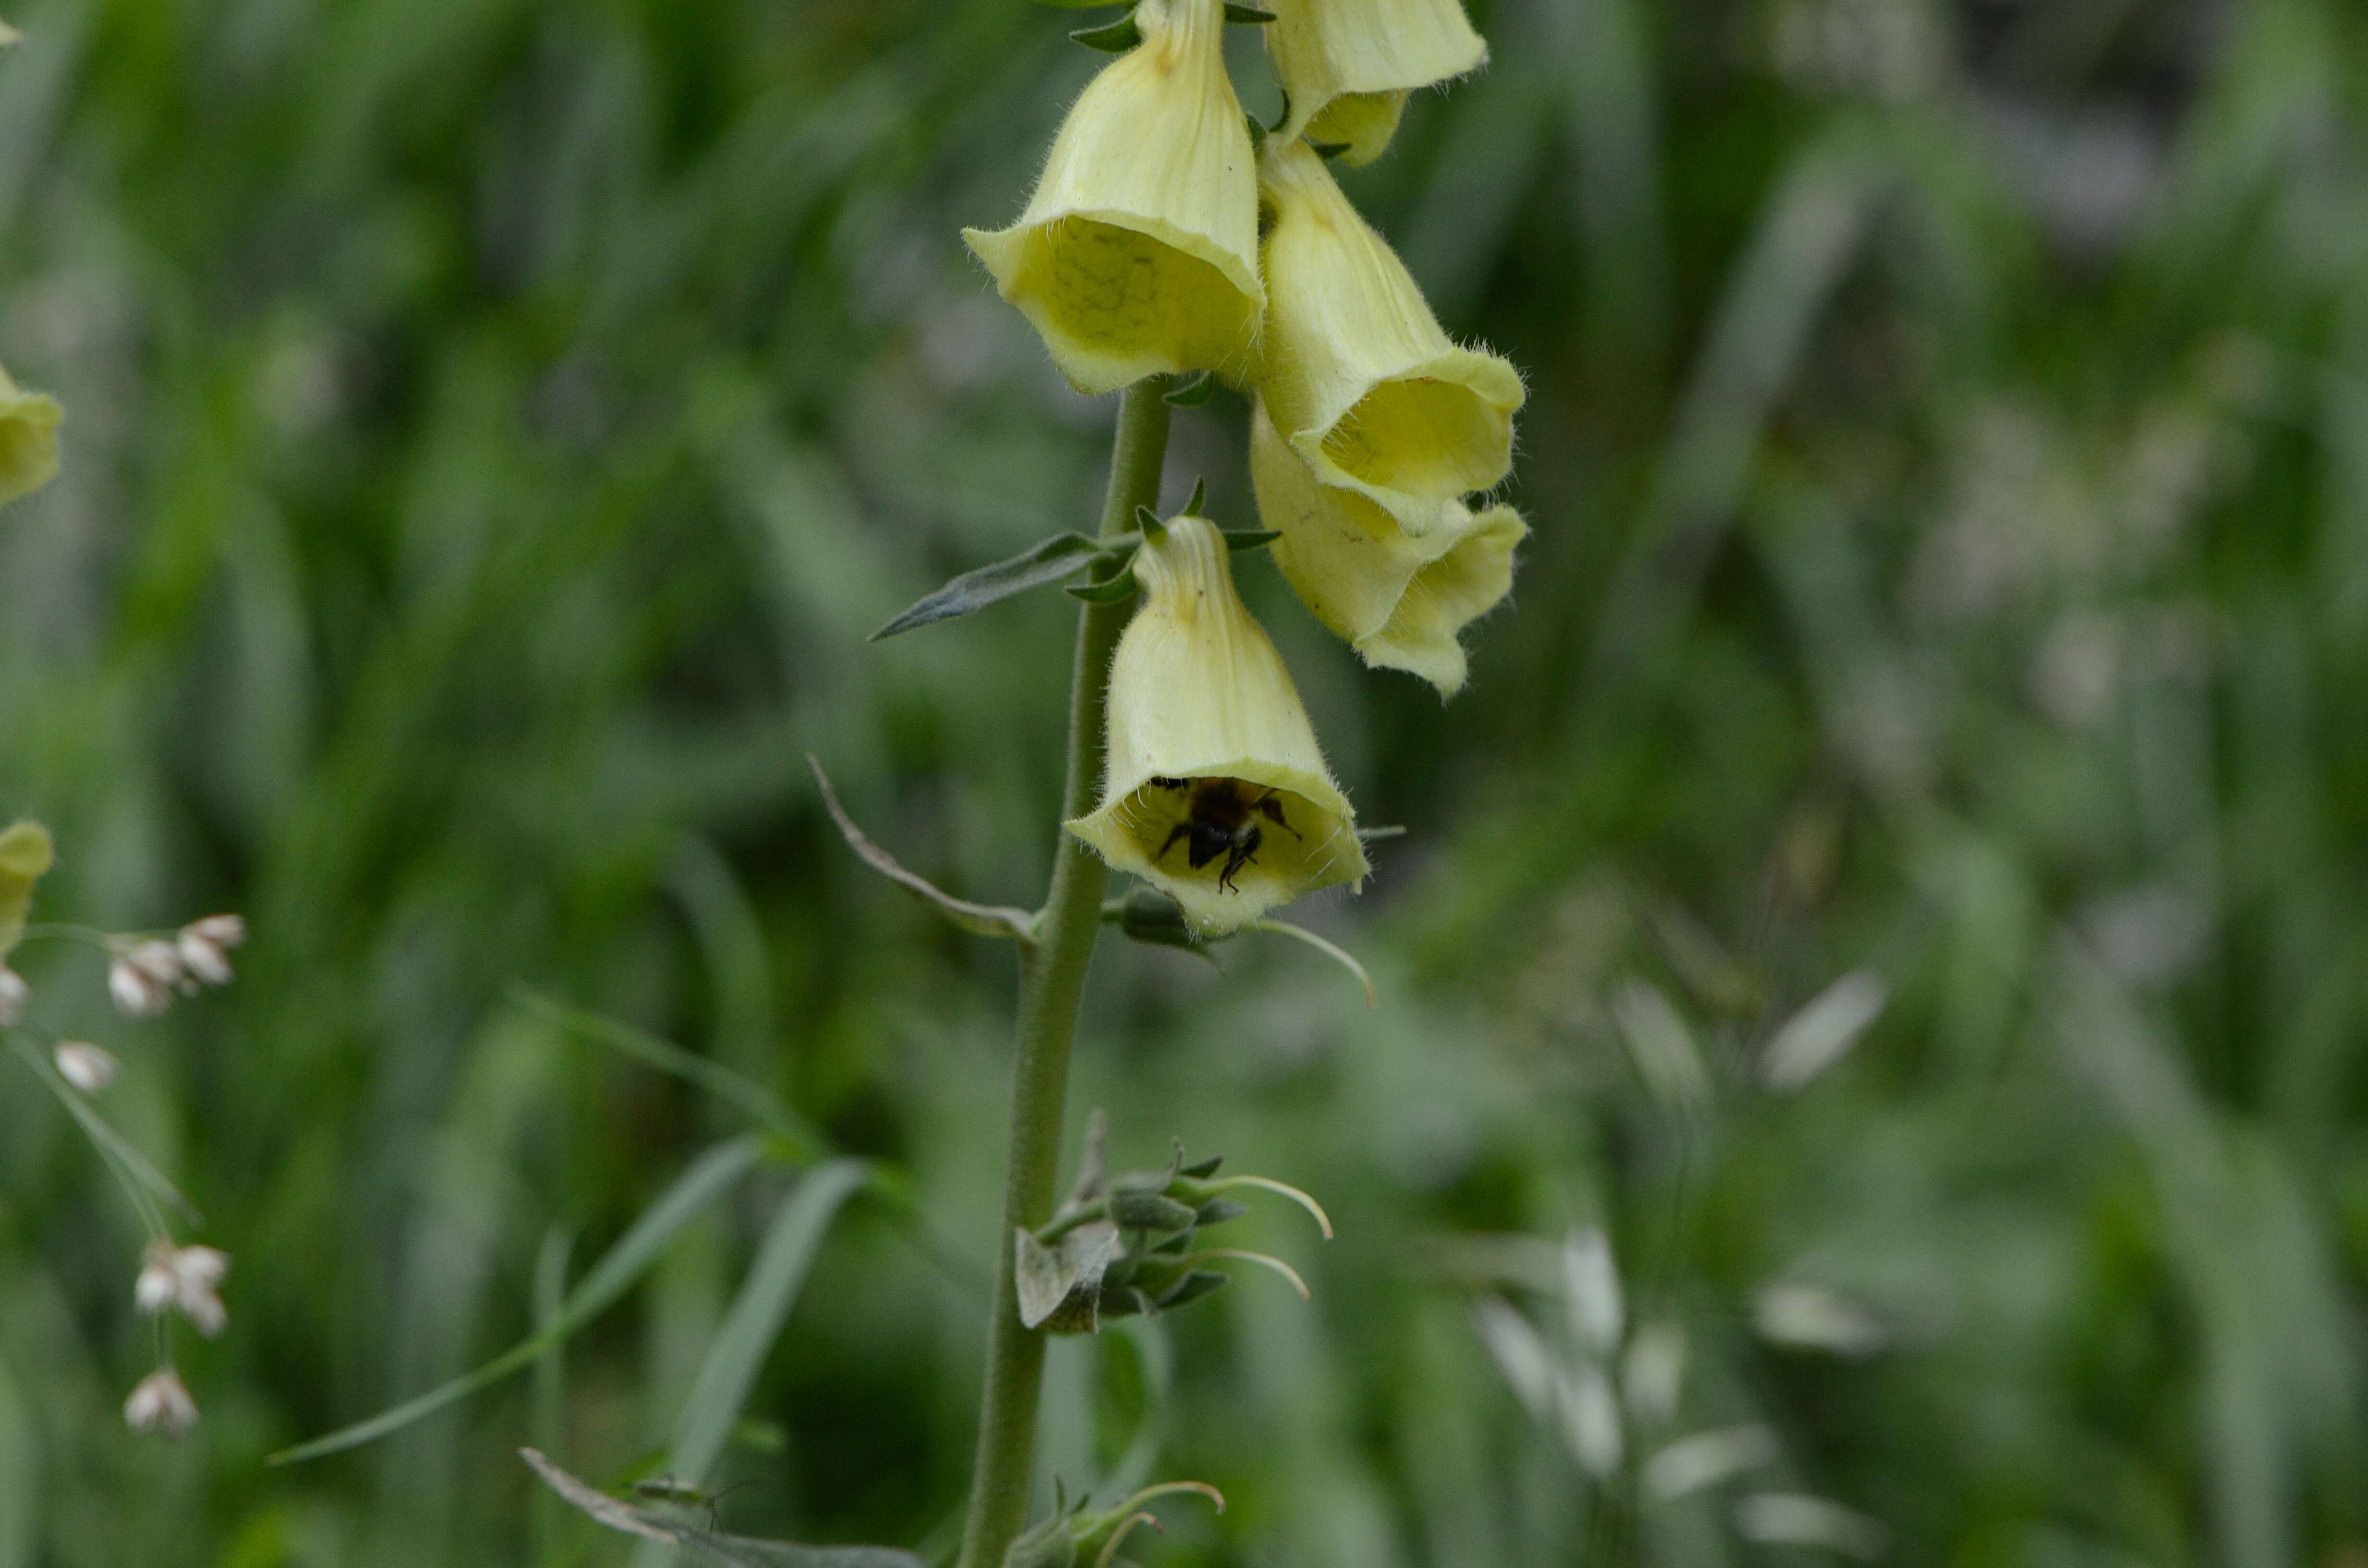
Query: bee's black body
pixel 1221 820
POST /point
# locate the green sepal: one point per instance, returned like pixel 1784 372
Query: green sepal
pixel 1115 39
pixel 1192 392
pixel 1117 590
pixel 1202 1170
pixel 1217 1210
pixel 1192 1287
pixel 1196 507
pixel 1326 150
pixel 1048 562
pixel 1173 1247
pixel 1239 539
pixel 1152 917
pixel 1153 531
pixel 1051 1544
pixel 1248 14
pixel 1150 1211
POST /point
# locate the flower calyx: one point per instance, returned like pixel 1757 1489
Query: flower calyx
pixel 1073 1534
pixel 1130 1244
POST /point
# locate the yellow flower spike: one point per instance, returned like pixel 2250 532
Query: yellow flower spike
pixel 1215 789
pixel 1358 376
pixel 29 440
pixel 1348 64
pixel 1400 599
pixel 1138 253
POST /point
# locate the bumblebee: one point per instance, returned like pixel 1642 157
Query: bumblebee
pixel 1221 819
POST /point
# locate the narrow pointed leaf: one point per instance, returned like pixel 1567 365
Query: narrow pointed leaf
pixel 1193 390
pixel 985 920
pixel 1197 506
pixel 1050 562
pixel 1118 590
pixel 706 1546
pixel 710 1178
pixel 1116 39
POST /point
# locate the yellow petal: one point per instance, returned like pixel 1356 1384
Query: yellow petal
pixel 29 440
pixel 1400 599
pixel 1205 726
pixel 1357 374
pixel 1327 52
pixel 1137 255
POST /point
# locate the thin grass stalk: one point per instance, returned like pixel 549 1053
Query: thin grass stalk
pixel 1051 977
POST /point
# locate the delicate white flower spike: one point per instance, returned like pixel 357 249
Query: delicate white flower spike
pixel 13 996
pixel 1138 253
pixel 1348 64
pixel 161 1404
pixel 1215 789
pixel 204 945
pixel 135 991
pixel 186 1277
pixel 1357 377
pixel 29 433
pixel 83 1064
pixel 1401 599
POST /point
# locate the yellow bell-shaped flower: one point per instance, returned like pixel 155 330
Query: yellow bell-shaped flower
pixel 29 440
pixel 1138 253
pixel 1213 788
pixel 1348 64
pixel 1356 375
pixel 1400 599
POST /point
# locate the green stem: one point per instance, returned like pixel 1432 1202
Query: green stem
pixel 1052 976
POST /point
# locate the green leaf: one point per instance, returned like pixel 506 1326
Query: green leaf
pixel 706 1546
pixel 985 919
pixel 1197 506
pixel 26 856
pixel 758 1103
pixel 1239 539
pixel 709 1179
pixel 1050 562
pixel 1116 39
pixel 771 1288
pixel 1250 14
pixel 1192 392
pixel 1117 590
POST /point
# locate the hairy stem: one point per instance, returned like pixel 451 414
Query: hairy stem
pixel 1052 976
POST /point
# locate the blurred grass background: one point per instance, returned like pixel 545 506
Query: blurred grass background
pixel 495 424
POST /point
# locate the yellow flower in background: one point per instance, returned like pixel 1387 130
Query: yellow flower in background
pixel 28 439
pixel 1348 64
pixel 26 856
pixel 1400 599
pixel 1138 253
pixel 1215 789
pixel 1356 375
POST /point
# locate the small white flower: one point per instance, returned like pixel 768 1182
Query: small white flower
pixel 160 960
pixel 161 1404
pixel 14 995
pixel 221 930
pixel 203 959
pixel 134 990
pixel 84 1065
pixel 184 1278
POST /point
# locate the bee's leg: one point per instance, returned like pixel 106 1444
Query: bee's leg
pixel 1244 852
pixel 1271 809
pixel 1179 831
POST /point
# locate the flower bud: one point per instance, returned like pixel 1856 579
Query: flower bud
pixel 1357 377
pixel 134 990
pixel 1138 252
pixel 1399 598
pixel 186 1278
pixel 161 1404
pixel 1214 789
pixel 25 858
pixel 1348 64
pixel 203 958
pixel 83 1064
pixel 29 440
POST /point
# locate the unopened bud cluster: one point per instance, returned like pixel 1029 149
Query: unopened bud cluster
pixel 1169 234
pixel 147 971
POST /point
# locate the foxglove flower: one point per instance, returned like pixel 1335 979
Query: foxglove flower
pixel 161 1404
pixel 1356 375
pixel 1400 599
pixel 1348 64
pixel 1138 253
pixel 1214 791
pixel 29 437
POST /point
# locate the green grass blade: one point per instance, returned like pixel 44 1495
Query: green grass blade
pixel 709 1177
